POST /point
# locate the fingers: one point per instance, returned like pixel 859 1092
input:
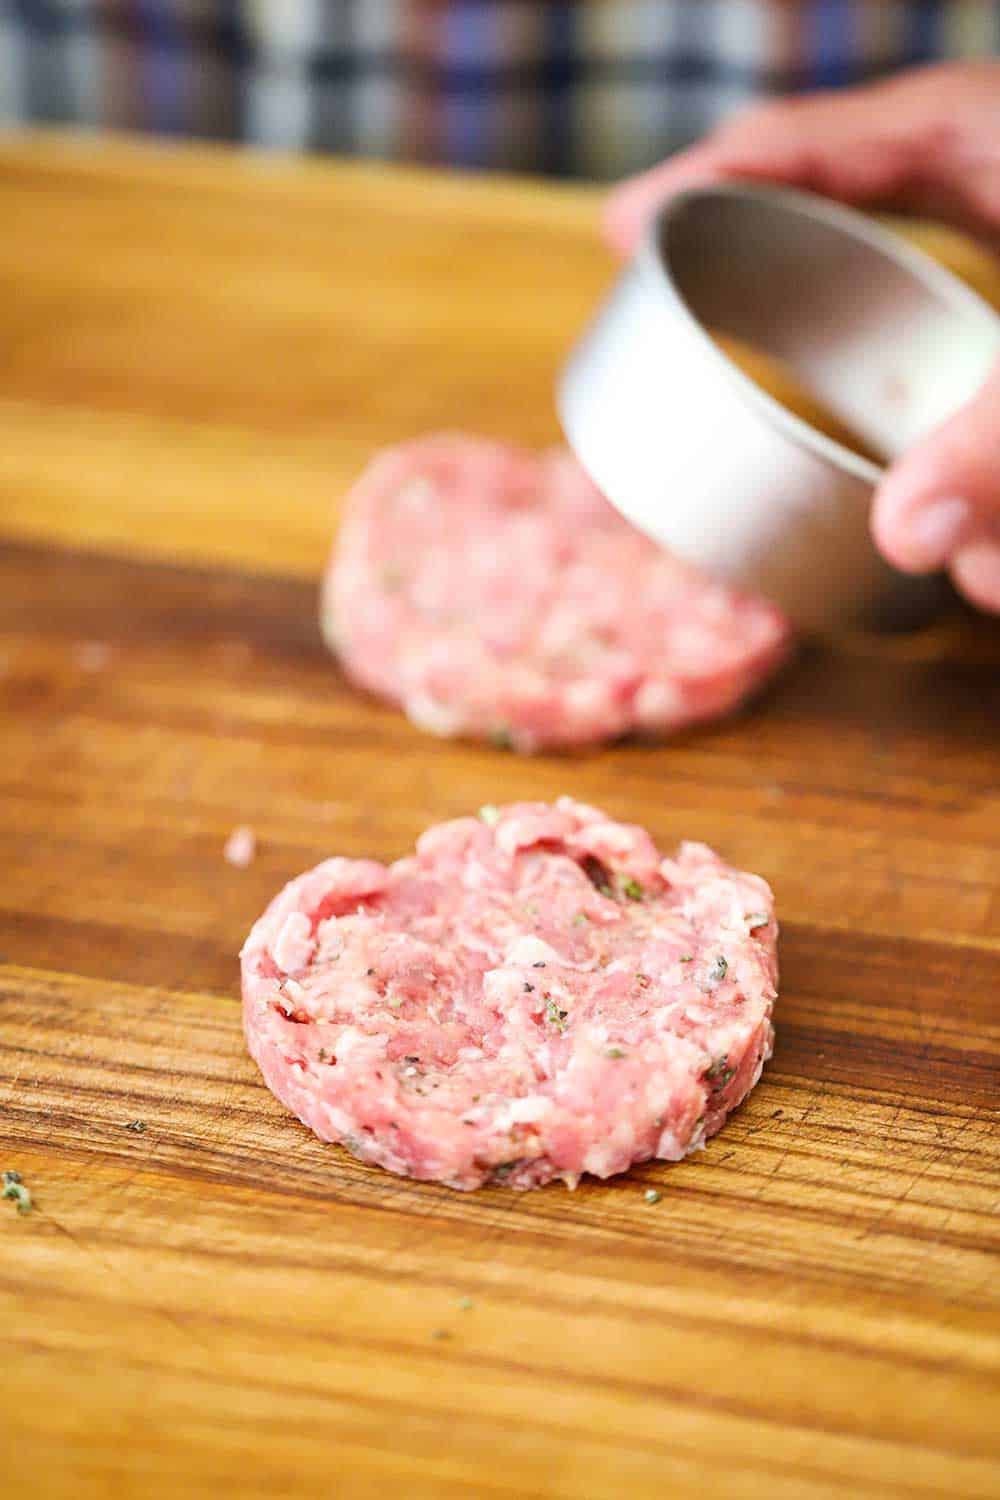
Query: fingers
pixel 815 143
pixel 976 571
pixel 926 141
pixel 939 505
pixel 629 207
pixel 817 159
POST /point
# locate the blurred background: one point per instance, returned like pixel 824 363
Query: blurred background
pixel 593 89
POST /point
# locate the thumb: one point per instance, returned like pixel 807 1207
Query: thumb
pixel 940 503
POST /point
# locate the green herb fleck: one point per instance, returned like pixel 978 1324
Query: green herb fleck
pixel 686 958
pixel 643 981
pixel 321 1055
pixel 553 1014
pixel 615 1052
pixel 652 1196
pixel 720 1072
pixel 755 919
pixel 501 738
pixel 137 1127
pixel 505 1168
pixel 465 1303
pixel 633 890
pixel 580 918
pixel 489 814
pixel 14 1188
pixel 716 972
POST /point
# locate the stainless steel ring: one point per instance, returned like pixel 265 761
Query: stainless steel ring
pixel 701 458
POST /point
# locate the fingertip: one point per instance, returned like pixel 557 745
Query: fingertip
pixel 620 224
pixel 899 498
pixel 630 205
pixel 976 571
pixel 919 533
pixel 944 492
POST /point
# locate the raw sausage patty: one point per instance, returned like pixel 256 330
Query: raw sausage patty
pixel 496 594
pixel 534 993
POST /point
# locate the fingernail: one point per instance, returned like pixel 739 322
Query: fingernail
pixel 933 532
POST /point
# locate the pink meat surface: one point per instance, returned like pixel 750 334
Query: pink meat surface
pixel 535 993
pixel 496 594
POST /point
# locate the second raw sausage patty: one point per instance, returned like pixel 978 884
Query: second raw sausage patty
pixel 495 593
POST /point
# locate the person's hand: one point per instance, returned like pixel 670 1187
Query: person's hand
pixel 926 142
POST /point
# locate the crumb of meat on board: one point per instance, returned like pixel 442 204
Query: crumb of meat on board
pixel 240 847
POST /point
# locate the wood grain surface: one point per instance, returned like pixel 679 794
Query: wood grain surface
pixel 198 351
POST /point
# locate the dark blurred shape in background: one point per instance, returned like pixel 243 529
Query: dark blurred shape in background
pixel 594 89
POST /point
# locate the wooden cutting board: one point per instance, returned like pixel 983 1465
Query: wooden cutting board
pixel 197 352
